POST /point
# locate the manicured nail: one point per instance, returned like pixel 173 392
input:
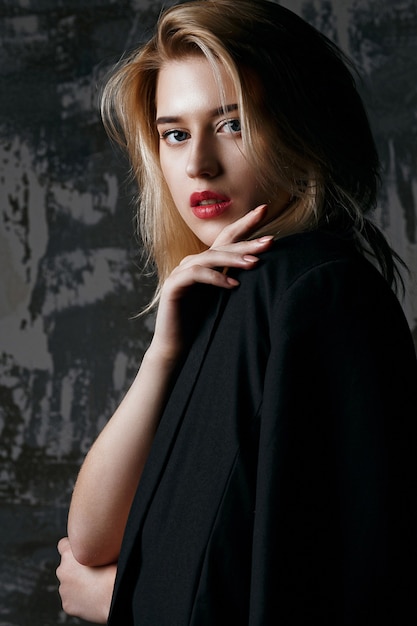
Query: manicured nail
pixel 250 258
pixel 265 239
pixel 232 281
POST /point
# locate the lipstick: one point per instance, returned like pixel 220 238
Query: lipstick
pixel 209 204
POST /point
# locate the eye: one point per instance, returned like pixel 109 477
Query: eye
pixel 231 126
pixel 174 137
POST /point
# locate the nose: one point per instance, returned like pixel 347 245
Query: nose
pixel 203 160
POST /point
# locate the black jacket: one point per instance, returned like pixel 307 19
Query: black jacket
pixel 281 488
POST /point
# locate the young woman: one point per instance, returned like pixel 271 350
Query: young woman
pixel 262 468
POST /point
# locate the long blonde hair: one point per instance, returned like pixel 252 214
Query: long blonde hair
pixel 304 127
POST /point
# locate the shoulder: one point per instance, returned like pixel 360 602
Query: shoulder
pixel 305 255
pixel 318 278
pixel 325 306
pixel 303 259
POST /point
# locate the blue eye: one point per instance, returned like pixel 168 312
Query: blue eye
pixel 232 126
pixel 175 136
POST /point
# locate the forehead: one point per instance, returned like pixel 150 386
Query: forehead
pixel 190 84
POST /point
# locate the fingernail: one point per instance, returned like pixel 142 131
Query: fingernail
pixel 260 208
pixel 265 239
pixel 250 257
pixel 232 281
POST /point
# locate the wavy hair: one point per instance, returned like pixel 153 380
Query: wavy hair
pixel 304 126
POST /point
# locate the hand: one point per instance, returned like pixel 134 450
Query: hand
pixel 85 592
pixel 228 250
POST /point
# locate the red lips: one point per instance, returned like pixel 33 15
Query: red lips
pixel 209 204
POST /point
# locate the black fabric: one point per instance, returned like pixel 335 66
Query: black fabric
pixel 281 488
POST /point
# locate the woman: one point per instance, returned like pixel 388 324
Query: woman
pixel 261 469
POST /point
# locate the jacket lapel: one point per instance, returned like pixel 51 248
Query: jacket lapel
pixel 165 437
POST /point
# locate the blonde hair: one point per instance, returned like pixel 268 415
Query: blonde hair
pixel 304 127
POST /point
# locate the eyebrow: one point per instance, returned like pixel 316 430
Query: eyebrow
pixel 228 108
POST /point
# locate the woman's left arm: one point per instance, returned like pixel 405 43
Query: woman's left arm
pixel 85 592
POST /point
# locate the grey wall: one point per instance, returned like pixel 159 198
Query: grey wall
pixel 69 261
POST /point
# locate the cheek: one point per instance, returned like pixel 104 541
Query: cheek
pixel 166 172
pixel 251 185
pixel 170 172
pixel 174 184
pixel 245 171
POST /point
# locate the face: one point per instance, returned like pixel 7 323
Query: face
pixel 201 154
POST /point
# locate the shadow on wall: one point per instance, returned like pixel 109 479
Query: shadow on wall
pixel 70 280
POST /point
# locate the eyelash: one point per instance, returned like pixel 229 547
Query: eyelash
pixel 229 123
pixel 170 133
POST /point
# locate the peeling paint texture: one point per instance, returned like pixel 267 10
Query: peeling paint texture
pixel 70 261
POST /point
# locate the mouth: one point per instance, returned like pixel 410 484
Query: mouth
pixel 209 204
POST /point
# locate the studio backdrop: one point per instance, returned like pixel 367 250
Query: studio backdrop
pixel 70 262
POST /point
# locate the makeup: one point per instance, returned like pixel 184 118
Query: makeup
pixel 209 204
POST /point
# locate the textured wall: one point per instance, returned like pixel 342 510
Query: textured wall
pixel 69 260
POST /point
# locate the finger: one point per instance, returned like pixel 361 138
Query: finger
pixel 63 545
pixel 201 274
pixel 242 227
pixel 239 255
pixel 250 246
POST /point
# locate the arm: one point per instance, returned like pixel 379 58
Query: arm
pixel 110 474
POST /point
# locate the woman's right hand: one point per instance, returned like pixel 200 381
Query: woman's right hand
pixel 228 250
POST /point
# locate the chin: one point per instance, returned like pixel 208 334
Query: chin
pixel 208 239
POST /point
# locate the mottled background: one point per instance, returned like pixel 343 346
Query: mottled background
pixel 70 262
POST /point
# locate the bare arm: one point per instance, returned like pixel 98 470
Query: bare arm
pixel 110 474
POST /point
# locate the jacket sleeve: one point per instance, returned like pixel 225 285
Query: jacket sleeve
pixel 335 519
